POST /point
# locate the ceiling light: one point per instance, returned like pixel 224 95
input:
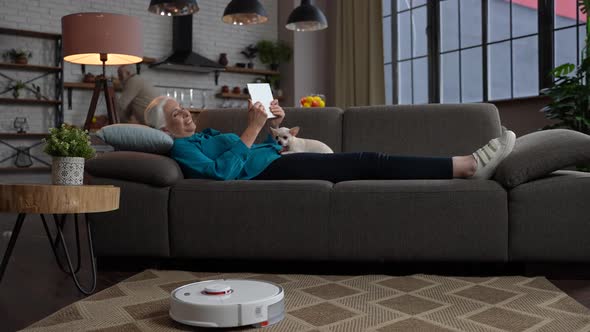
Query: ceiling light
pixel 307 17
pixel 173 8
pixel 244 12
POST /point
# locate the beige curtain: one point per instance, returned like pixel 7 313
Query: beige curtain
pixel 359 78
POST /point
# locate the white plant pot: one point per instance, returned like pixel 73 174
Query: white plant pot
pixel 67 171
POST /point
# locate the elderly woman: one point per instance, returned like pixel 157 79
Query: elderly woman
pixel 212 155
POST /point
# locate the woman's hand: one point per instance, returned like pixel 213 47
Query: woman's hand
pixel 278 112
pixel 256 115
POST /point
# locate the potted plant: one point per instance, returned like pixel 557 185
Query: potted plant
pixel 570 105
pixel 250 53
pixel 16 86
pixel 18 56
pixel 69 146
pixel 273 53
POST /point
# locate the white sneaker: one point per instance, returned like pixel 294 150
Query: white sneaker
pixel 490 155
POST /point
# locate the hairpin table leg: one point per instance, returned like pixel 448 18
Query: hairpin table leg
pixel 72 272
pixel 19 223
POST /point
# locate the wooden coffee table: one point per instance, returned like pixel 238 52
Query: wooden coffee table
pixel 57 200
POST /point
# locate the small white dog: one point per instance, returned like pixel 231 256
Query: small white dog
pixel 288 139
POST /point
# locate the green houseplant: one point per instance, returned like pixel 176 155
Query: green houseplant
pixel 273 53
pixel 570 93
pixel 69 146
pixel 16 86
pixel 18 56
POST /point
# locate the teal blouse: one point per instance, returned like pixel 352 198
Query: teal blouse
pixel 213 155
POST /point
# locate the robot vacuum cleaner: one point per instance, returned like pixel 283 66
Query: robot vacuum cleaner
pixel 228 303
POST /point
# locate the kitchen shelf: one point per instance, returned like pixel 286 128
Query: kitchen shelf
pixel 25 169
pixel 27 33
pixel 247 71
pixel 29 101
pixel 86 86
pixel 29 67
pixel 252 71
pixel 25 135
pixel 237 96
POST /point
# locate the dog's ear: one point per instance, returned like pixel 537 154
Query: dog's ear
pixel 274 132
pixel 294 131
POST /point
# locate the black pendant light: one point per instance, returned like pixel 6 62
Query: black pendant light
pixel 307 17
pixel 243 12
pixel 173 8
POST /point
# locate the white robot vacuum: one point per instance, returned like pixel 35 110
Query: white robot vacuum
pixel 228 303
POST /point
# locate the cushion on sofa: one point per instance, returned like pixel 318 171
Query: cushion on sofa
pixel 540 153
pixel 135 137
pixel 141 167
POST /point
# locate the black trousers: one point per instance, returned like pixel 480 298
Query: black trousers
pixel 356 166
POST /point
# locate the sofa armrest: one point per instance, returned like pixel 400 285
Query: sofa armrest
pixel 141 167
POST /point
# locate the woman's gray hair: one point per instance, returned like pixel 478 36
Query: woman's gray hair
pixel 154 112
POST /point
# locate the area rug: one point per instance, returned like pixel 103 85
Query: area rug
pixel 343 303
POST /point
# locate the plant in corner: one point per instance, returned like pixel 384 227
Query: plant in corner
pixel 69 146
pixel 570 93
pixel 273 53
pixel 18 56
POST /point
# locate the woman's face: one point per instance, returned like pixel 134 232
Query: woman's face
pixel 179 121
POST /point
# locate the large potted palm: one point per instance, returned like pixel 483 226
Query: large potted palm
pixel 570 93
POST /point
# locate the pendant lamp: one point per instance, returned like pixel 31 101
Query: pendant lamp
pixel 307 17
pixel 173 8
pixel 243 12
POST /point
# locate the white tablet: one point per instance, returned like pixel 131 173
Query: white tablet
pixel 260 92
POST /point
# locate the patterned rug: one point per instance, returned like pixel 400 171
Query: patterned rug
pixel 343 303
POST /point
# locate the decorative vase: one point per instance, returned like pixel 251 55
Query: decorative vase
pixel 274 66
pixel 15 93
pixel 223 59
pixel 21 60
pixel 68 171
pixel 250 65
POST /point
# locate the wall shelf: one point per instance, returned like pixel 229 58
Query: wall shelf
pixel 27 33
pixel 25 135
pixel 86 86
pixel 29 101
pixel 29 67
pixel 25 169
pixel 237 96
pixel 246 71
pixel 251 71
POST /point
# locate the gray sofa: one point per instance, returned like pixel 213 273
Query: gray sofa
pixel 162 214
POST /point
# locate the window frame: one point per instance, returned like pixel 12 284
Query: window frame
pixel 545 33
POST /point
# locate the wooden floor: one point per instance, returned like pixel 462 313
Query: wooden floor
pixel 33 286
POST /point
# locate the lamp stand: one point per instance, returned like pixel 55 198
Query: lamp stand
pixel 106 85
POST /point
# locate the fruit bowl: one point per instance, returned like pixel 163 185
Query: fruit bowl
pixel 313 101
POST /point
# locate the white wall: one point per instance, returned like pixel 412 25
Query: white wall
pixel 311 68
pixel 210 37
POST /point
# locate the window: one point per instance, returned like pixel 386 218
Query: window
pixel 568 34
pixel 454 51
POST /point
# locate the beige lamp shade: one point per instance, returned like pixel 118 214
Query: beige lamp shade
pixel 85 36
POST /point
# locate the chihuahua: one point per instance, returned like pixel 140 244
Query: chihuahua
pixel 288 139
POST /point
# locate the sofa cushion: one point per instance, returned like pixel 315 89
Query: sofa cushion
pixel 251 219
pixel 324 124
pixel 135 137
pixel 141 167
pixel 549 220
pixel 540 153
pixel 420 220
pixel 424 130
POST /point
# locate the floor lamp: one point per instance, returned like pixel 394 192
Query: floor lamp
pixel 102 39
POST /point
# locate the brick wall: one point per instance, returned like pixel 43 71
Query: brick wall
pixel 210 37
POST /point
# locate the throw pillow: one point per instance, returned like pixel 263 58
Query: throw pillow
pixel 542 152
pixel 134 137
